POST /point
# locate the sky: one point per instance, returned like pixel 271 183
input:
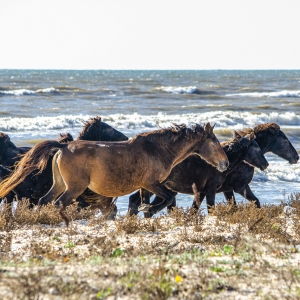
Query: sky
pixel 155 34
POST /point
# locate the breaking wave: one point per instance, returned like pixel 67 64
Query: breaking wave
pixel 183 90
pixel 20 92
pixel 135 123
pixel 279 171
pixel 280 94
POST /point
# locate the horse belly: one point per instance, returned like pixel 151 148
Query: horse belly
pixel 114 183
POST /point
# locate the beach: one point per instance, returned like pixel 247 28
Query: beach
pixel 245 253
pixel 233 252
pixel 41 104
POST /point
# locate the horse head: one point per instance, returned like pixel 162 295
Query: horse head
pixel 210 149
pixel 65 138
pixel 96 130
pixel 271 138
pixel 254 156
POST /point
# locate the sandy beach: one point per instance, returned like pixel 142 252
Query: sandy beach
pixel 242 253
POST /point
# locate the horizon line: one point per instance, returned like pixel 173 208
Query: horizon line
pixel 104 69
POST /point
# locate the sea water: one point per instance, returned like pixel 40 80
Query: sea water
pixel 39 104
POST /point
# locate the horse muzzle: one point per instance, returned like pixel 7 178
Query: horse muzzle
pixel 223 165
pixel 294 160
pixel 262 168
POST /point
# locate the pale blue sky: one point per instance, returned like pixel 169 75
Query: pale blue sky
pixel 156 34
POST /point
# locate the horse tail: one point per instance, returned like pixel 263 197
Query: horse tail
pixel 35 159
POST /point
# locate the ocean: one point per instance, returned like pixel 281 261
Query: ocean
pixel 39 104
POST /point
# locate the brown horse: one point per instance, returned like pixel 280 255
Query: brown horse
pixel 207 179
pixel 37 185
pixel 119 168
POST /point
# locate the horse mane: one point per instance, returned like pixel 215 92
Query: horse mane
pixel 87 125
pixel 239 140
pixel 4 138
pixel 262 127
pixel 176 131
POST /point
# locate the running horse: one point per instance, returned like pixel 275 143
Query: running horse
pixel 39 183
pixel 206 178
pixel 119 168
pixel 270 138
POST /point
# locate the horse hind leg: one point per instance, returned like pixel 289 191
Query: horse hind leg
pixel 58 186
pixel 248 194
pixel 229 196
pixel 163 193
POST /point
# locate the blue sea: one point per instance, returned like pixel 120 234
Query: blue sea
pixel 39 104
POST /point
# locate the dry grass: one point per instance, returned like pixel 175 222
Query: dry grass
pixel 235 252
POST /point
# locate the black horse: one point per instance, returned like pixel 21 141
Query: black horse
pixel 270 138
pixel 9 152
pixel 40 183
pixel 207 179
pixel 27 188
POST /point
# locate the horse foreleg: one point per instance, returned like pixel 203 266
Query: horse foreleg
pixel 201 197
pixel 229 196
pixel 135 201
pixel 166 195
pixel 145 199
pixel 210 200
pixel 248 194
pixel 170 207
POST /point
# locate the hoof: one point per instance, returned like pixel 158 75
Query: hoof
pixel 57 204
pixel 144 208
pixel 41 202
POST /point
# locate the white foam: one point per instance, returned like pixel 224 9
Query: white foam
pixel 179 89
pixel 137 122
pixel 20 92
pixel 279 94
pixel 279 171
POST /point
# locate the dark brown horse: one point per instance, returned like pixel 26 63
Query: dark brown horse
pixel 206 178
pixel 118 168
pixel 270 138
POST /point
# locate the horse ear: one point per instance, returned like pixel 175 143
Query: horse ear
pixel 236 134
pixel 252 135
pixel 208 127
pixel 273 130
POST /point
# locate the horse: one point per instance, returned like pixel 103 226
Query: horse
pixel 118 168
pixel 22 190
pixel 26 188
pixel 9 152
pixel 270 138
pixel 206 178
pixel 94 129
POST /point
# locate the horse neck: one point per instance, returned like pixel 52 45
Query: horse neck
pixel 180 150
pixel 234 158
pixel 264 139
pixel 5 148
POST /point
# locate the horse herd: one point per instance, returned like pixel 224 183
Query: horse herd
pixel 102 163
